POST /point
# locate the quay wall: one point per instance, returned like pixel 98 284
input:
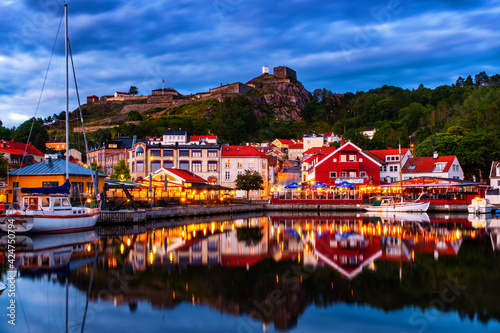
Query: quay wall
pixel 178 212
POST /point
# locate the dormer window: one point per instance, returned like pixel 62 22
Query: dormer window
pixel 439 167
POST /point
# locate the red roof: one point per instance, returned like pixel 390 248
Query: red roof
pixel 31 150
pixel 314 158
pixel 198 137
pixel 186 175
pixel 493 172
pixel 228 151
pixel 296 146
pixel 322 150
pixel 388 152
pixel 286 141
pixel 427 164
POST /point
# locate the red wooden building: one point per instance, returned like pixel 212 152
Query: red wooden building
pixel 347 163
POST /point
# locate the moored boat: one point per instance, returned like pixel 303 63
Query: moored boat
pixel 480 206
pixel 391 205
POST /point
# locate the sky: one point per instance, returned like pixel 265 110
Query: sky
pixel 343 46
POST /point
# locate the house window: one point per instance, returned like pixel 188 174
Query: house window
pixel 251 163
pixel 334 160
pixel 343 158
pixel 212 166
pixel 168 152
pixel 139 151
pixel 196 166
pixel 333 174
pixel 212 153
pixel 353 260
pixel 343 260
pixel 168 164
pixel 227 175
pixel 184 153
pixel 184 165
pixel 228 163
pixel 155 152
pixel 240 164
pixel 343 174
pixel 155 166
pixel 196 153
pixel 133 166
pixel 44 184
pixel 352 173
pixel 76 189
pixel 352 158
pixel 140 166
pixel 362 173
pixel 439 167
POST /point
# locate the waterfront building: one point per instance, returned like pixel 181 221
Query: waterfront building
pixel 19 154
pixel 295 151
pixel 313 140
pixel 392 160
pixel 433 166
pixel 109 153
pixel 236 159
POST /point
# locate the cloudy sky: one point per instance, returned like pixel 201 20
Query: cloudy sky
pixel 196 45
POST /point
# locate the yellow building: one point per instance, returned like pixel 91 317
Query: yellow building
pixel 56 144
pixel 52 172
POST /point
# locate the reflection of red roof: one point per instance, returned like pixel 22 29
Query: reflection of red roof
pixel 241 260
pixel 228 151
pixel 31 150
pixel 388 152
pixel 186 175
pixel 323 150
pixel 427 164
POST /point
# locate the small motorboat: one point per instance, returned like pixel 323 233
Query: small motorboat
pixel 480 206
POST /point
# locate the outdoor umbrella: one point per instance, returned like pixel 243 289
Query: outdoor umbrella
pixel 345 184
pixel 319 184
pixel 294 185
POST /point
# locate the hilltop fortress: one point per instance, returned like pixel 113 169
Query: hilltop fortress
pixel 280 90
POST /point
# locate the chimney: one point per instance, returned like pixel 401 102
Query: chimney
pixel 342 142
pixel 435 155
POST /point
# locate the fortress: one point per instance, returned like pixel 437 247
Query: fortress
pixel 169 97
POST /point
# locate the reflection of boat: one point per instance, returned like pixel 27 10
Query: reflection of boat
pixel 390 205
pixel 391 217
pixel 48 209
pixel 480 206
pixel 47 251
pixel 479 221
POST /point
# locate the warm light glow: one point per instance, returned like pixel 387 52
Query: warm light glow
pixel 277 278
pixel 89 200
pixel 122 248
pixel 373 265
pixel 171 257
pixel 154 249
pixel 128 241
pixel 221 228
pixel 412 255
pixel 89 248
pixel 151 257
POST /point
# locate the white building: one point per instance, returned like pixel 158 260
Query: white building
pixel 236 159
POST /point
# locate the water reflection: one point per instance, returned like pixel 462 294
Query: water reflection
pixel 270 269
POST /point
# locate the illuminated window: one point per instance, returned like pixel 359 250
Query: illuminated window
pixel 212 166
pixel 240 164
pixel 196 166
pixel 196 153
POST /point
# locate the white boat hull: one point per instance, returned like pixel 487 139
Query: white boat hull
pixel 400 207
pixel 38 223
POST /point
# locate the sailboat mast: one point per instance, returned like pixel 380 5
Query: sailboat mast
pixel 401 173
pixel 67 86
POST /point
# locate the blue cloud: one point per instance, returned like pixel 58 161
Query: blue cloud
pixel 193 45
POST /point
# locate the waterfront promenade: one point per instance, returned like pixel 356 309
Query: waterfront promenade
pixel 171 212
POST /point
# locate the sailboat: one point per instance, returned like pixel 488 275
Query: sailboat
pixel 49 209
pixel 391 205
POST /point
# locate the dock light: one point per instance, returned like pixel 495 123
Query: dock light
pixel 89 248
pixel 89 200
pixel 122 248
pixel 151 158
pixel 128 241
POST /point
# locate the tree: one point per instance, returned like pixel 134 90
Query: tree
pixel 234 120
pixel 38 135
pixel 5 133
pixel 121 171
pixel 250 180
pixel 134 115
pixel 481 79
pixel 460 82
pixel 4 167
pixel 468 81
pixel 133 90
pixel 99 168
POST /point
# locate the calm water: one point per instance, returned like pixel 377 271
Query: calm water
pixel 297 273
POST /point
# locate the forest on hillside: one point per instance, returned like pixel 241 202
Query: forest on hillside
pixel 461 119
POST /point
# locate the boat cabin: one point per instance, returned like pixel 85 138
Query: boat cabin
pixel 45 203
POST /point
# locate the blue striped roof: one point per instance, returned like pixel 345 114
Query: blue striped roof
pixel 53 167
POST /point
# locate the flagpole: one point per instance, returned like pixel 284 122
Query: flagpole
pixel 162 81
